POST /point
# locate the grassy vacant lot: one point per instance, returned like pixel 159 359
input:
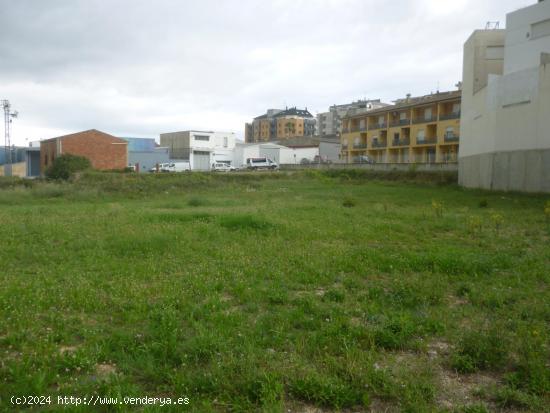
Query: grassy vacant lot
pixel 272 293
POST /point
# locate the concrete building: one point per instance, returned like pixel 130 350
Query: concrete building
pixel 144 154
pixel 280 124
pixel 329 146
pixel 281 154
pixel 25 162
pixel 330 123
pixel 505 123
pixel 104 151
pixel 422 129
pixel 200 148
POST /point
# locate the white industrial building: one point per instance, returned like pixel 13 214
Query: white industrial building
pixel 200 148
pixel 282 155
pixel 505 122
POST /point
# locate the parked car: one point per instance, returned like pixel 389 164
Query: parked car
pixel 183 166
pixel 260 163
pixel 222 167
pixel 321 159
pixel 364 159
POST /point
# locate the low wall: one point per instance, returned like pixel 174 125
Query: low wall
pixel 17 169
pixel 525 171
pixel 424 167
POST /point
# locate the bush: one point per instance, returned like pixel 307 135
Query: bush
pixel 65 166
pixel 348 203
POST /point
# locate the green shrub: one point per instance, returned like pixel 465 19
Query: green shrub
pixel 244 222
pixel 65 166
pixel 483 203
pixel 196 202
pixel 348 203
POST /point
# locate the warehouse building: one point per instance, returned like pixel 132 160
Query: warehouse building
pixel 104 151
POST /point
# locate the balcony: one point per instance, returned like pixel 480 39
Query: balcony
pixel 401 142
pixel 378 126
pixel 359 146
pixel 451 138
pixel 400 122
pixel 426 141
pixel 379 145
pixel 449 116
pixel 345 130
pixel 424 119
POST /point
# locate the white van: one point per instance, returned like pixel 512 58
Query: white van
pixel 182 166
pixel 260 163
pixel 222 167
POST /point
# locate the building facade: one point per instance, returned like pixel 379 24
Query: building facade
pixel 415 130
pixel 330 123
pixel 200 148
pixel 505 143
pixel 144 154
pixel 105 152
pixel 278 124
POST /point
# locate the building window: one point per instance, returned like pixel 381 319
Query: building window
pixel 381 120
pixel 421 135
pixel 202 138
pixel 403 116
pixel 450 132
pixel 225 142
pixel 428 114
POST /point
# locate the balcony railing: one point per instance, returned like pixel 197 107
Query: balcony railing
pixel 452 138
pixel 359 146
pixel 354 129
pixel 378 126
pixel 454 115
pixel 400 122
pixel 362 128
pixel 426 141
pixel 379 144
pixel 402 142
pixel 425 119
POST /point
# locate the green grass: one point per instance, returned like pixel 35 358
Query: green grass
pixel 340 290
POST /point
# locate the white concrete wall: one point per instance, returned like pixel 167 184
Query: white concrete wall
pixel 505 120
pixel 307 153
pixel 523 49
pixel 244 151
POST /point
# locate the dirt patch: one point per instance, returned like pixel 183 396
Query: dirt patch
pixel 458 390
pixel 438 348
pixel 105 369
pixel 67 349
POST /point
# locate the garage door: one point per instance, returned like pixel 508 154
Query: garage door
pixel 201 161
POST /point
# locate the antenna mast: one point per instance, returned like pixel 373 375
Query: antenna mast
pixel 8 115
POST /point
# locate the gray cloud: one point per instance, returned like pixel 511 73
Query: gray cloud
pixel 136 67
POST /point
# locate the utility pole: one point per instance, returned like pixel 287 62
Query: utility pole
pixel 8 115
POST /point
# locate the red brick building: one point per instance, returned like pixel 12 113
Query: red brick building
pixel 104 151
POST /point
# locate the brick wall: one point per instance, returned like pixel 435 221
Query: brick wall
pixel 104 151
pixel 48 152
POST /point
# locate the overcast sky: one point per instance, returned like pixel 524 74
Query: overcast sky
pixel 143 67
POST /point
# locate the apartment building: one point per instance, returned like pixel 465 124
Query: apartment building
pixel 330 123
pixel 506 104
pixel 277 124
pixel 414 130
